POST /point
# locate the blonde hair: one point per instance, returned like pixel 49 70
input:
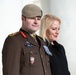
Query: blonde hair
pixel 46 21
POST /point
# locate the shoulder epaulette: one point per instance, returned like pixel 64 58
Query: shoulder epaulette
pixel 12 34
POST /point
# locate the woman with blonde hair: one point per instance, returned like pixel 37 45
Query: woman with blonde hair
pixel 49 31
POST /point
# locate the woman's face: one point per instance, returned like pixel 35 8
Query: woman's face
pixel 53 31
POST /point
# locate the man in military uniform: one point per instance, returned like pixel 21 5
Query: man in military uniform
pixel 23 52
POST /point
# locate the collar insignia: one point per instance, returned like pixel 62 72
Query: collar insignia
pixel 23 34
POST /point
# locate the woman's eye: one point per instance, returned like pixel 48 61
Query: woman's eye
pixel 53 28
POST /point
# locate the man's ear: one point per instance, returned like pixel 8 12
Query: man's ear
pixel 23 18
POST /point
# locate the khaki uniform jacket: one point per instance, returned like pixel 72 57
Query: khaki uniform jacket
pixel 22 55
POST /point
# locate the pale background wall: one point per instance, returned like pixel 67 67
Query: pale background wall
pixel 10 21
pixel 66 10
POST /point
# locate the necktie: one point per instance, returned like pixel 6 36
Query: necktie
pixel 34 36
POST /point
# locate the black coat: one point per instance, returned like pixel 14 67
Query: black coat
pixel 58 61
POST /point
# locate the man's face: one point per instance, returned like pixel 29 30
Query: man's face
pixel 32 24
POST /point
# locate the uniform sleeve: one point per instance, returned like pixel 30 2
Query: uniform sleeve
pixel 11 56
